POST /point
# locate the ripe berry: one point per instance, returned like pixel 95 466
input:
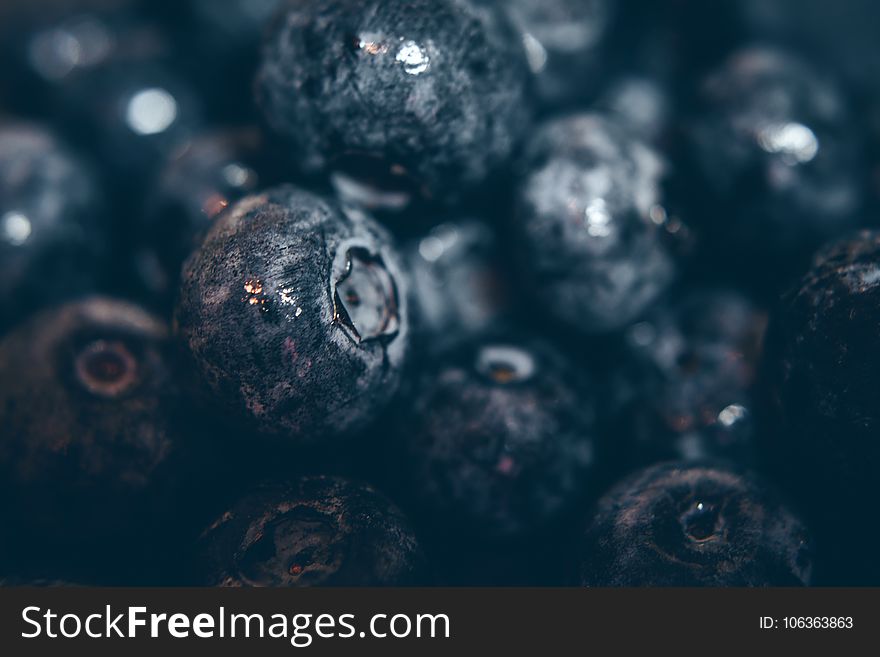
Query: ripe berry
pixel 591 217
pixel 89 433
pixel 821 360
pixel 777 159
pixel 296 315
pixel 500 440
pixel 316 531
pixel 694 525
pixel 684 388
pixel 419 97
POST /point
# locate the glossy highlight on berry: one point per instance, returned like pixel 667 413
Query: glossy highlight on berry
pixel 431 94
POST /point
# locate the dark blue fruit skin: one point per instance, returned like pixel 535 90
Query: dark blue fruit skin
pixel 315 531
pixel 820 363
pixel 426 95
pixel 499 440
pixel 592 224
pixel 263 311
pixel 677 524
pixel 684 387
pixel 777 162
pixel 91 433
pixel 204 175
pixel 52 231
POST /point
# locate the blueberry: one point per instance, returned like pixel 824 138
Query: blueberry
pixel 89 432
pixel 564 42
pixel 420 98
pixel 52 237
pixel 204 175
pixel 459 286
pixel 592 222
pixel 684 389
pixel 296 315
pixel 316 531
pixel 694 525
pixel 778 160
pixel 821 359
pixel 500 440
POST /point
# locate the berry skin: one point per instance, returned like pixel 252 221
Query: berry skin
pixel 777 158
pixel 684 388
pixel 317 531
pixel 51 233
pixel 89 431
pixel 591 221
pixel 425 97
pixel 295 312
pixel 500 440
pixel 820 364
pixel 694 525
pixel 205 175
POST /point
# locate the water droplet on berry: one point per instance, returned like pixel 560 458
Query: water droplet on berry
pixel 701 522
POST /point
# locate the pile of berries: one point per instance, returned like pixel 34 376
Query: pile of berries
pixel 456 292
